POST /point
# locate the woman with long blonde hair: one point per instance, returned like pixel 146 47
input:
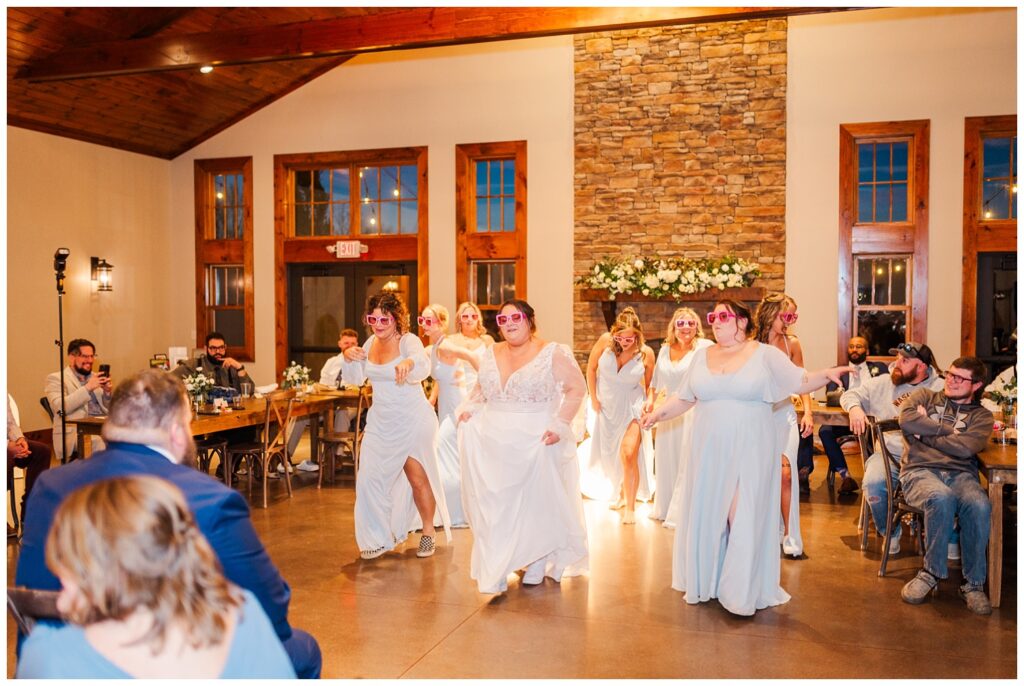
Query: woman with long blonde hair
pixel 619 464
pixel 772 319
pixel 145 594
pixel 683 337
pixel 470 334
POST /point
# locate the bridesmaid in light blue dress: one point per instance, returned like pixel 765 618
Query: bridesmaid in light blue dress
pixel 726 540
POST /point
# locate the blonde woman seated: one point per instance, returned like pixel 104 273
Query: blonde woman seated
pixel 145 595
pixel 683 338
pixel 619 464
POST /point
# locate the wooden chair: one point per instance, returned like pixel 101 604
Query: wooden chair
pixel 26 605
pixel 330 439
pixel 273 447
pixel 206 448
pixel 897 506
pixel 866 449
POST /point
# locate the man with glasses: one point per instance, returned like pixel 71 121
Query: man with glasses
pixel 945 430
pixel 880 397
pixel 85 395
pixel 225 371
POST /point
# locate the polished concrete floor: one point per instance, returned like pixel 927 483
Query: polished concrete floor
pixel 400 616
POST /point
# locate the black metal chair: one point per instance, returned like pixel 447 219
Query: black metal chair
pixel 897 507
pixel 45 402
pixel 273 446
pixel 206 448
pixel 26 605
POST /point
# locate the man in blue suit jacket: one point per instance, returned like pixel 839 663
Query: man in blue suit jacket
pixel 857 352
pixel 147 432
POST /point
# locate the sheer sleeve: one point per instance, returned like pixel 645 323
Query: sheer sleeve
pixel 473 401
pixel 354 373
pixel 411 348
pixel 568 419
pixel 784 377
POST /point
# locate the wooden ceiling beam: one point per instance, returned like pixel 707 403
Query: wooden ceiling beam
pixel 401 29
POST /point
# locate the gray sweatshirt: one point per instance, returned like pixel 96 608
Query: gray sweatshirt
pixel 879 398
pixel 948 437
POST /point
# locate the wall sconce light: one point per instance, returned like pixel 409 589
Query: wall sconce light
pixel 102 274
pixel 390 287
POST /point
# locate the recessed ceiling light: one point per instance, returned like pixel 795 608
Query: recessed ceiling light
pixel 205 69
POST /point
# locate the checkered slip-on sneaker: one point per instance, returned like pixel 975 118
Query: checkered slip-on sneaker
pixel 426 548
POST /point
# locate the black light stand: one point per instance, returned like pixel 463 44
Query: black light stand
pixel 60 259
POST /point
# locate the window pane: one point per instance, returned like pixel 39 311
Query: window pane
pixel 864 205
pixel 509 207
pixel 369 185
pixel 218 191
pixel 494 185
pixel 996 157
pixel 494 205
pixel 882 162
pixel 229 195
pixel 884 330
pixel 899 281
pixel 218 216
pixel 899 202
pixel 481 215
pixel 389 218
pixel 881 289
pixel 339 185
pixel 388 183
pixel 882 203
pixel 508 177
pixel 899 161
pixel 303 181
pixel 321 185
pixel 410 219
pixel 240 189
pixel 238 282
pixel 864 282
pixel 231 323
pixel 508 282
pixel 480 281
pixel 996 200
pixel 865 162
pixel 321 219
pixel 219 288
pixel 342 220
pixel 368 223
pixel 303 220
pixel 481 178
pixel 410 181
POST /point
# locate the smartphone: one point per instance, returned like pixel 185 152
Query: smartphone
pixel 105 370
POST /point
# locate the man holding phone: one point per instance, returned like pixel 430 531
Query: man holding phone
pixel 86 394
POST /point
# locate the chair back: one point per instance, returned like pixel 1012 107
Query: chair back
pixel 26 605
pixel 279 411
pixel 45 402
pixel 365 399
pixel 879 429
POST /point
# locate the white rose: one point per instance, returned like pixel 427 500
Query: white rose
pixel 622 284
pixel 629 270
pixel 671 276
pixel 724 268
pixel 652 281
pixel 691 275
pixel 639 264
pixel 645 292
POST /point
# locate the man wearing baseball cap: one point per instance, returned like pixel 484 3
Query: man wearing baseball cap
pixel 880 397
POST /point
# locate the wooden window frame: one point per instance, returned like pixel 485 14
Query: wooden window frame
pixel 909 237
pixel 289 249
pixel 470 245
pixel 222 252
pixel 980 234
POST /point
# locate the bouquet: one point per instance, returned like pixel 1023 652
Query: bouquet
pixel 295 376
pixel 669 276
pixel 1005 393
pixel 198 384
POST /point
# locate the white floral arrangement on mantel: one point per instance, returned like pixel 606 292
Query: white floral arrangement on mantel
pixel 669 276
pixel 295 376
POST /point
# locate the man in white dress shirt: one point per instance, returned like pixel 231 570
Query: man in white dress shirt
pixel 330 375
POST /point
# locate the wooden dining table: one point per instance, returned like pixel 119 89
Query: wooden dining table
pixel 999 465
pixel 251 413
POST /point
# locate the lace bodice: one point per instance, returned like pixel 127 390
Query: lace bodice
pixel 531 383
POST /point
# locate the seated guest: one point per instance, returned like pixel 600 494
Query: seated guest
pixel 32 456
pixel 225 371
pixel 945 430
pixel 330 375
pixel 857 354
pixel 145 595
pixel 85 394
pixel 147 432
pixel 880 396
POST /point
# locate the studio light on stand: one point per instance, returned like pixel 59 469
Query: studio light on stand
pixel 102 274
pixel 60 260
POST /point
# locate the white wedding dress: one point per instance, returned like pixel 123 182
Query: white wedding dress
pixel 521 496
pixel 400 424
pixel 451 392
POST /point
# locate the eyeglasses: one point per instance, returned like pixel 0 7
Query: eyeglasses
pixel 722 316
pixel 624 340
pixel 217 348
pixel 959 378
pixel 469 316
pixel 85 357
pixel 683 323
pixel 503 319
pixel 789 317
pixel 382 320
pixel 426 321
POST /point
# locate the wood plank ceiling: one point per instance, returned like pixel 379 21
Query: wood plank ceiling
pixel 129 78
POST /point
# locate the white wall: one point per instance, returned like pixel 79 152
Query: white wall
pixel 887 65
pixel 521 90
pixel 99 202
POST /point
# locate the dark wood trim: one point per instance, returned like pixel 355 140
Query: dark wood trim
pixel 980 235
pixel 211 251
pixel 289 249
pixel 905 237
pixel 470 245
pixel 22 122
pixel 401 29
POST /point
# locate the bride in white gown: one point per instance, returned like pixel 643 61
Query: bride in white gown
pixel 398 484
pixel 518 448
pixel 727 536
